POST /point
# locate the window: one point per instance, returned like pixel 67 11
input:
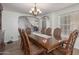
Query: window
pixel 65 24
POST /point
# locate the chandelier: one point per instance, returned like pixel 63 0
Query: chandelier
pixel 35 11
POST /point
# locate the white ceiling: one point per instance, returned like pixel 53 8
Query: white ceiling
pixel 44 7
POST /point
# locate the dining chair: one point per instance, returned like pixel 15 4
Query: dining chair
pixel 22 39
pixel 29 48
pixel 2 44
pixel 43 30
pixel 57 33
pixel 48 31
pixel 68 49
pixel 28 30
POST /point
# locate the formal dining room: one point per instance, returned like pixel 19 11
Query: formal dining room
pixel 39 28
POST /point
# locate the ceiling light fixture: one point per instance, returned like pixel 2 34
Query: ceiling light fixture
pixel 35 11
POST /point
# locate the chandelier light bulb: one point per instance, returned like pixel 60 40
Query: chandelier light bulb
pixel 30 11
pixel 40 11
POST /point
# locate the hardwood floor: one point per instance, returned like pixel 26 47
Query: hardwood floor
pixel 14 49
pixel 76 52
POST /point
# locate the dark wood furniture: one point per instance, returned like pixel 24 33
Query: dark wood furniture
pixel 49 31
pixel 1 8
pixel 2 44
pixel 57 34
pixel 43 30
pixel 50 42
pixel 22 39
pixel 69 45
pixel 28 30
pixel 27 47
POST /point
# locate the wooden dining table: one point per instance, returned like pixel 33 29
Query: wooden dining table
pixel 47 42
